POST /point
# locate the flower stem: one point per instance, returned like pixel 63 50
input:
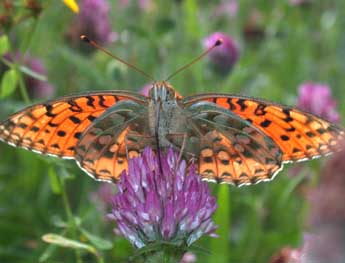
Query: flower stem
pixel 22 86
pixel 160 253
pixel 71 220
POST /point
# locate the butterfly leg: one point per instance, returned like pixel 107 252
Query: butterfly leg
pixel 135 143
pixel 183 144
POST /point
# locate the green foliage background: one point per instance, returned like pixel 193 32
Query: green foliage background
pixel 301 43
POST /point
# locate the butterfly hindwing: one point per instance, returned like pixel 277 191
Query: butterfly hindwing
pixel 298 134
pixel 229 149
pixel 118 134
pixel 55 127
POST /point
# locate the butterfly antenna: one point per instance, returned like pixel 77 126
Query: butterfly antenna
pixel 96 45
pixel 216 44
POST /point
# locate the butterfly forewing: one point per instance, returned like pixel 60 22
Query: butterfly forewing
pixel 298 134
pixel 54 127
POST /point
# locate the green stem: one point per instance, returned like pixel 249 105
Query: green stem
pixel 71 219
pixel 22 86
pixel 160 253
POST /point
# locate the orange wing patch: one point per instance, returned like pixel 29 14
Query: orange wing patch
pixel 230 162
pixel 103 158
pixel 54 128
pixel 298 134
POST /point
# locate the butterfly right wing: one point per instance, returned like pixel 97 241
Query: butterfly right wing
pixel 54 128
pixel 227 148
pixel 300 135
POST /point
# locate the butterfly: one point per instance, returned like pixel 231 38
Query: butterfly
pixel 231 139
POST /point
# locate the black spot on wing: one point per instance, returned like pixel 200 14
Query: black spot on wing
pixel 265 123
pixel 284 137
pixel 232 106
pixel 90 101
pixel 241 103
pixel 61 133
pixel 75 120
pixel 77 135
pixel 91 118
pixel 260 110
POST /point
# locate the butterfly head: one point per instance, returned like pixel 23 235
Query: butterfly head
pixel 163 91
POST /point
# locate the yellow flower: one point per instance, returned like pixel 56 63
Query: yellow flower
pixel 72 4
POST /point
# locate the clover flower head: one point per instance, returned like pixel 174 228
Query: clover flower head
pixel 224 56
pixel 317 99
pixel 161 199
pixel 92 20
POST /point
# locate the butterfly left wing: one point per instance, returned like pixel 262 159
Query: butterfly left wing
pixel 54 127
pixel 120 133
pixel 299 135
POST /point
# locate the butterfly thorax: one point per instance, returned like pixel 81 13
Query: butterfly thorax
pixel 165 115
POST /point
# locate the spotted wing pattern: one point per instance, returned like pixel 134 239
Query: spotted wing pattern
pixel 299 135
pixel 118 134
pixel 55 127
pixel 227 148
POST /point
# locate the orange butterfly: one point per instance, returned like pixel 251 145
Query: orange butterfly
pixel 233 139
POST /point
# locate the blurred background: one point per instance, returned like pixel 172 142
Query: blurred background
pixel 288 51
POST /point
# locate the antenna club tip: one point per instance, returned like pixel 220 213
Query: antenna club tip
pixel 85 38
pixel 218 42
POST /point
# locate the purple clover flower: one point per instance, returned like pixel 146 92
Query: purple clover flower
pixel 93 21
pixel 317 98
pixel 224 56
pixel 168 203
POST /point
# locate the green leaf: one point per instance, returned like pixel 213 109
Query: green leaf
pixel 220 246
pixel 8 83
pixel 54 181
pixel 66 242
pixel 4 45
pixel 98 242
